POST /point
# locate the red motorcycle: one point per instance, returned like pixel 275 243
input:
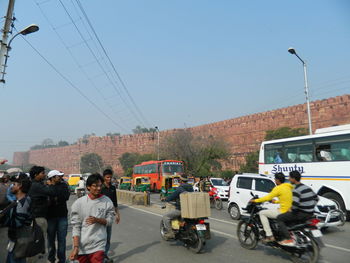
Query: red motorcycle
pixel 215 200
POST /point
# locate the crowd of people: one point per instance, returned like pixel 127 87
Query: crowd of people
pixel 37 199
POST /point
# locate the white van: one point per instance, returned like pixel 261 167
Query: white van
pixel 243 184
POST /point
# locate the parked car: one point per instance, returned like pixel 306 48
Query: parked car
pixel 221 186
pixel 243 184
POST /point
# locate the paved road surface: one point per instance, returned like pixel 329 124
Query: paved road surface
pixel 136 239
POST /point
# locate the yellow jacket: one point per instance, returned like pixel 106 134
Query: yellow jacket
pixel 284 194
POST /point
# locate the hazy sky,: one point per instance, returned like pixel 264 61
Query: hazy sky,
pixel 183 62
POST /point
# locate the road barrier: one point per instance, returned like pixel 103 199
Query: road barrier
pixel 133 198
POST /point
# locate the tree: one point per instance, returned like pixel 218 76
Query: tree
pixel 91 163
pixel 46 143
pixel 110 134
pixel 140 129
pixel 129 160
pixel 201 154
pixel 284 132
pixel 251 165
pixel 252 159
pixel 62 143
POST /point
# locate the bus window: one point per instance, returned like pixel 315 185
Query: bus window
pixel 173 168
pixel 273 153
pixel 333 148
pixel 300 152
pixel 152 168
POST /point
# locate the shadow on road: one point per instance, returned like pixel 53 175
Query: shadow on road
pixel 134 251
pixel 215 241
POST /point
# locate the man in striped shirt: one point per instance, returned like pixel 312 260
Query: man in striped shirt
pixel 304 202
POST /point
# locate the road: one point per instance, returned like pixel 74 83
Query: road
pixel 137 239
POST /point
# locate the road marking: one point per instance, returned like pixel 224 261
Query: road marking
pixel 339 248
pixel 223 221
pixel 222 233
pixel 229 235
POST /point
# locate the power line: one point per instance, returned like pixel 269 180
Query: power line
pixel 75 59
pixel 79 32
pixel 73 86
pixel 110 61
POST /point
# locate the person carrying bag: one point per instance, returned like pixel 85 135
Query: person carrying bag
pixel 26 238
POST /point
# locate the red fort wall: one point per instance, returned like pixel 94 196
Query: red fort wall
pixel 244 135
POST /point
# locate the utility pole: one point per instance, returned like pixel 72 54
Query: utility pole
pixel 5 32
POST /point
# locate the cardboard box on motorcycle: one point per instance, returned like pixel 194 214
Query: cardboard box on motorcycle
pixel 195 205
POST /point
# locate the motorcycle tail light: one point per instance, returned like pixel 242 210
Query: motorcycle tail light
pixel 201 221
pixel 314 221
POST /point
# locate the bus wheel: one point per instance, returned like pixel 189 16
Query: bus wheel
pixel 337 199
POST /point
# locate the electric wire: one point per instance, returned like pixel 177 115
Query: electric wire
pixel 91 51
pixel 79 32
pixel 74 86
pixel 110 61
pixel 75 59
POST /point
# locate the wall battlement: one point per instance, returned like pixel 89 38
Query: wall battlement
pixel 244 134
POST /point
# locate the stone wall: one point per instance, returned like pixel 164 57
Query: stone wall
pixel 243 134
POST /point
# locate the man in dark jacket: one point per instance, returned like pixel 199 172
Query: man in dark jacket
pixel 175 197
pixel 110 191
pixel 18 216
pixel 39 193
pixel 57 221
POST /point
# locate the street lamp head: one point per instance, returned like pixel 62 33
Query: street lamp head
pixel 29 29
pixel 291 50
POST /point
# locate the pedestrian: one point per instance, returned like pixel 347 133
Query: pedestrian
pixel 90 216
pixel 18 216
pixel 110 191
pixel 80 187
pixel 57 220
pixel 39 194
pixel 3 191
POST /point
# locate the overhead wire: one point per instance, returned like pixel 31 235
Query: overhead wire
pixel 91 51
pixel 74 86
pixel 75 59
pixel 110 61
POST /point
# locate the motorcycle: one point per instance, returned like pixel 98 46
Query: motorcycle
pixel 215 200
pixel 306 235
pixel 192 232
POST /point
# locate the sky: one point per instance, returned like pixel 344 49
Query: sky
pixel 108 66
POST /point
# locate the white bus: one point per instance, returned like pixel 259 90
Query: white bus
pixel 323 159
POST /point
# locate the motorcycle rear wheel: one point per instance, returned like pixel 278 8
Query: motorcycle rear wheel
pixel 310 256
pixel 196 245
pixel 247 236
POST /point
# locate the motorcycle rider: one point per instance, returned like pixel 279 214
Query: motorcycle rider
pixel 175 196
pixel 304 202
pixel 283 191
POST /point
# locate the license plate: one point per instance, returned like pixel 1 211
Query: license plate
pixel 201 227
pixel 316 233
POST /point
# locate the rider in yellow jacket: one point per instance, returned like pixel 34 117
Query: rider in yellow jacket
pixel 283 191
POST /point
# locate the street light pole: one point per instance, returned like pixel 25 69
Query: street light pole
pixel 5 32
pixel 157 129
pixel 28 30
pixel 293 52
